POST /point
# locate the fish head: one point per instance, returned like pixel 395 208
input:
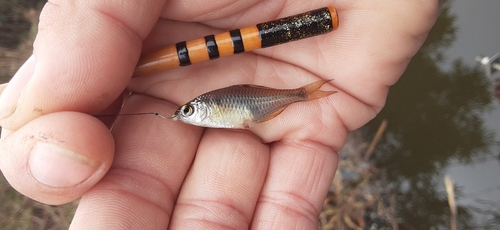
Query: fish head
pixel 194 112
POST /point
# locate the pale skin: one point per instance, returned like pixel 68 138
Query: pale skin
pixel 152 173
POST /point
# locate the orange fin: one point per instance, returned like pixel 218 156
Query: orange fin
pixel 273 115
pixel 313 92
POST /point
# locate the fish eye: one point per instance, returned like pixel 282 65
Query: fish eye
pixel 187 110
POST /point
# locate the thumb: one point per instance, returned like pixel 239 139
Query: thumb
pixel 84 55
pixel 54 159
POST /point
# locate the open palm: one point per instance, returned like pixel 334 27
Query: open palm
pixel 166 173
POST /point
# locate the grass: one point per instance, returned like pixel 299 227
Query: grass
pixel 18 26
pixel 20 212
pixel 359 190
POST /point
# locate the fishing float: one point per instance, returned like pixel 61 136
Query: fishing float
pixel 262 35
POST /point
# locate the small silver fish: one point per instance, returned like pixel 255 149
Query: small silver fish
pixel 242 106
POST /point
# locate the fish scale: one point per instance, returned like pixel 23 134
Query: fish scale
pixel 260 101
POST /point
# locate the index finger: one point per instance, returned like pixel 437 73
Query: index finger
pixel 85 53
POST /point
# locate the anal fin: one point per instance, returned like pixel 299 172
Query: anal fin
pixel 273 115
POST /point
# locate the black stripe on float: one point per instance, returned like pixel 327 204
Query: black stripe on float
pixel 212 48
pixel 182 53
pixel 237 41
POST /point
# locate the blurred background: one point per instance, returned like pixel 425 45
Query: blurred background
pixel 441 120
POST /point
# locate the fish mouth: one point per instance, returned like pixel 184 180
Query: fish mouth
pixel 174 117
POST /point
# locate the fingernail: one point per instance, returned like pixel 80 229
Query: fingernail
pixel 10 95
pixel 59 167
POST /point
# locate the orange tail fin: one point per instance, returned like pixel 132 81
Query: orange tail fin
pixel 313 92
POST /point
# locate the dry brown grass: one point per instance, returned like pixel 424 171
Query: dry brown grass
pixel 20 212
pixel 12 58
pixel 358 190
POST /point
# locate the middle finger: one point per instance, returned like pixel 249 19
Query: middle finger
pixel 224 182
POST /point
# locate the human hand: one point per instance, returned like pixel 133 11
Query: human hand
pixel 166 173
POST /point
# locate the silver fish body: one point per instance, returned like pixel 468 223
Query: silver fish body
pixel 242 106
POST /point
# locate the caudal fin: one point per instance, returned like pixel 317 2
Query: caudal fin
pixel 313 92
